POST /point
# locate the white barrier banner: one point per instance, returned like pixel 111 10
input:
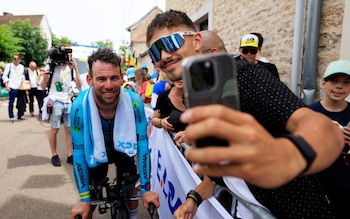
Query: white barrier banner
pixel 173 177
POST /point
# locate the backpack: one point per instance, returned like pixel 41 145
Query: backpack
pixel 2 84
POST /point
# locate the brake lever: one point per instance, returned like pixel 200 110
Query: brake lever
pixel 151 208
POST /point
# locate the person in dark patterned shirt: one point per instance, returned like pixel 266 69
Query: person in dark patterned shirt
pixel 275 141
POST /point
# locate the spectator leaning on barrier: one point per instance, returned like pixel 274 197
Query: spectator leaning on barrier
pixel 336 86
pixel 277 140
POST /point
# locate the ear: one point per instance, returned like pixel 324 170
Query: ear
pixel 197 42
pixel 323 83
pixel 88 79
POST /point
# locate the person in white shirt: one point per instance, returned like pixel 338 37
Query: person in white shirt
pixel 34 78
pixel 12 77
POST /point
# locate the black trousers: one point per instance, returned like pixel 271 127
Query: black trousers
pixel 39 96
pixel 21 103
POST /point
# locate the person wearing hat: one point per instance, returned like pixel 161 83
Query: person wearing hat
pixel 130 75
pixel 336 86
pixel 144 66
pixel 248 49
pixel 259 55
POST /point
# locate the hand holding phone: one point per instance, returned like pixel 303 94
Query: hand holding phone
pixel 210 79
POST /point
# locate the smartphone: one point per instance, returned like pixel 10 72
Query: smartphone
pixel 210 79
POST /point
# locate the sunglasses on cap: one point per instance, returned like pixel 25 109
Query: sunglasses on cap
pixel 252 51
pixel 169 43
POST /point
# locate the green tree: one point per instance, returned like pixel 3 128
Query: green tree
pixel 34 44
pixel 61 41
pixel 9 44
pixel 123 53
pixel 105 44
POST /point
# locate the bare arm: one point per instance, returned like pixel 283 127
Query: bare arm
pixel 156 119
pixel 45 80
pixel 321 133
pixel 254 154
pixel 189 208
pixel 77 75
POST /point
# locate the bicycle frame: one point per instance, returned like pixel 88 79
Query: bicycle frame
pixel 114 197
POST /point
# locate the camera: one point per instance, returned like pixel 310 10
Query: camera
pixel 59 55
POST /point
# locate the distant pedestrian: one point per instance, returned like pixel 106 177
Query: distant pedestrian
pixel 12 77
pixel 60 93
pixel 34 92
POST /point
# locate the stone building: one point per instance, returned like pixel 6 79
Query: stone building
pixel 138 38
pixel 301 37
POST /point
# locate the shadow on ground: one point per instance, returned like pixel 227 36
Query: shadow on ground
pixel 26 160
pixel 44 181
pixel 33 209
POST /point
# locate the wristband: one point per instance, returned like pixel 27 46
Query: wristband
pixel 305 149
pixel 196 196
pixel 160 123
pixel 195 200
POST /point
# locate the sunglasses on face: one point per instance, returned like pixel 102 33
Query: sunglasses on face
pixel 169 43
pixel 252 51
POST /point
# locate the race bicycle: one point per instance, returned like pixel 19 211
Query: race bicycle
pixel 113 197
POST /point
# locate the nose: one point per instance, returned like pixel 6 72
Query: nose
pixel 164 55
pixel 108 83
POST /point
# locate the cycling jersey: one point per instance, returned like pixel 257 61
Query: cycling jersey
pixel 80 162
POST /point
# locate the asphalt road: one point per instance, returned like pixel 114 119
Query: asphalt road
pixel 30 187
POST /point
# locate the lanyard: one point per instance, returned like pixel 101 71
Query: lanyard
pixel 65 73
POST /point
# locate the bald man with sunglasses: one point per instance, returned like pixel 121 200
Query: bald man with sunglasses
pixel 275 142
pixel 248 48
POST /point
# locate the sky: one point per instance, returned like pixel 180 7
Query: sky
pixel 86 21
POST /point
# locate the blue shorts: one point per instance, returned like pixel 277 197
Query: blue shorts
pixel 60 111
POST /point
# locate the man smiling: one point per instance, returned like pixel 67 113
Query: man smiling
pixel 273 142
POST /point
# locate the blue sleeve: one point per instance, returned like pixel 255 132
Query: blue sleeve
pixel 143 154
pixel 80 167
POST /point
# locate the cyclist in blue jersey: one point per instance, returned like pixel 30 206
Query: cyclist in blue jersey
pixel 108 125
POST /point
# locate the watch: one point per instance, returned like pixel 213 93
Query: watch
pixel 305 149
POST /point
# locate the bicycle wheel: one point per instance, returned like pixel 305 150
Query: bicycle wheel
pixel 121 212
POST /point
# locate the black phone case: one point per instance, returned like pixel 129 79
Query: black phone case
pixel 223 90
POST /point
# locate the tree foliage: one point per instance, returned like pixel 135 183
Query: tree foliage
pixel 19 37
pixel 34 44
pixel 123 54
pixel 9 44
pixel 105 44
pixel 61 41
